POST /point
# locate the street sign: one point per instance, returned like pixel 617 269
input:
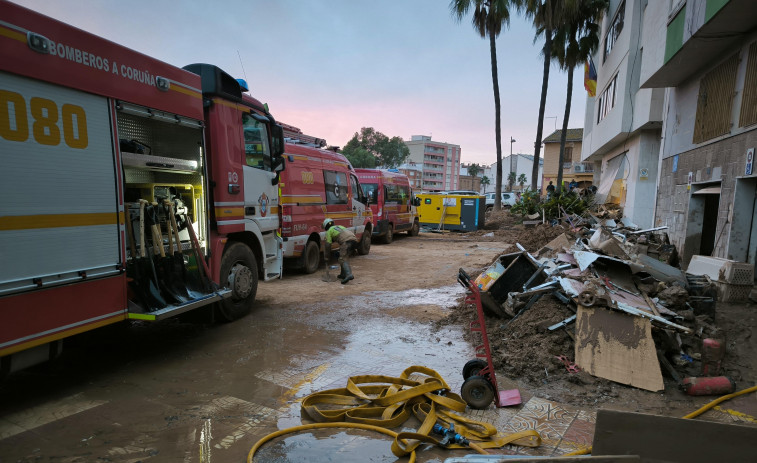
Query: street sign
pixel 749 161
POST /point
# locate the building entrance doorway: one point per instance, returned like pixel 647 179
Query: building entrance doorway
pixel 702 221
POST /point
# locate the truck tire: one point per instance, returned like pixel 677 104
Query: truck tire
pixel 311 257
pixel 365 243
pixel 389 236
pixel 415 228
pixel 239 272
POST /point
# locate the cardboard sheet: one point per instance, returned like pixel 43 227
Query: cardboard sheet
pixel 618 347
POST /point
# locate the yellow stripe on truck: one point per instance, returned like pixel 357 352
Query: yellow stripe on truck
pixel 11 34
pixel 28 222
pixel 229 211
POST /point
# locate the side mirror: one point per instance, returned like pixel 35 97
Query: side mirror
pixel 277 140
pixel 278 166
pixel 416 201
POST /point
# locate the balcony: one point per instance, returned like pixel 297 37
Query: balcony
pixel 734 21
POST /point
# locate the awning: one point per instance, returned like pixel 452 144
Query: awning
pixel 710 190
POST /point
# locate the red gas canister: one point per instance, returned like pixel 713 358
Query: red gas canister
pixel 713 352
pixel 709 385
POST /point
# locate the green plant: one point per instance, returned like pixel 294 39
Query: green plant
pixel 552 208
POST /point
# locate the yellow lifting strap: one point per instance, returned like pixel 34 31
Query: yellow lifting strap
pixel 378 402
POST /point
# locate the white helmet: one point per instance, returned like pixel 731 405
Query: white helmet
pixel 327 223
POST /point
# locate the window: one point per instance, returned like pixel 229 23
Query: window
pixel 614 30
pixel 357 192
pixel 336 187
pixel 391 194
pixel 715 101
pixel 749 99
pixel 370 190
pixel 404 193
pixel 256 151
pixel 607 99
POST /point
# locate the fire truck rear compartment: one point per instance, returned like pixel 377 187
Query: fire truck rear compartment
pixel 161 155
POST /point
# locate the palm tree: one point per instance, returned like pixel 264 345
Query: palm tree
pixel 511 180
pixel 474 169
pixel 485 181
pixel 546 16
pixel 488 18
pixel 522 179
pixel 574 41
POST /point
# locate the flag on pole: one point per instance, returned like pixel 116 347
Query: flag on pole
pixel 590 77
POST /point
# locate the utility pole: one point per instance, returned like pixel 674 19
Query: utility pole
pixel 512 140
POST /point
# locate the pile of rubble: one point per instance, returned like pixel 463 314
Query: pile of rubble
pixel 635 314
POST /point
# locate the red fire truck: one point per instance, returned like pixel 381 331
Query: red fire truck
pixel 317 184
pixel 131 189
pixel 391 200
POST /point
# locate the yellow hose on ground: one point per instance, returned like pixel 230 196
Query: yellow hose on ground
pixel 687 417
pixel 378 403
pixel 306 427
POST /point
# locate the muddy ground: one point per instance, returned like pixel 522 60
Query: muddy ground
pixel 193 392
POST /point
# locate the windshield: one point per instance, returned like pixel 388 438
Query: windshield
pixel 370 190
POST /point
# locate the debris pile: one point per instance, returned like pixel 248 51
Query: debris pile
pixel 629 311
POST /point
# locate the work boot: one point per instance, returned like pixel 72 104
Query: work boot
pixel 347 272
pixel 341 273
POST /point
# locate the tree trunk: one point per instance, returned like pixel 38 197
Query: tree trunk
pixel 564 133
pixel 497 129
pixel 542 104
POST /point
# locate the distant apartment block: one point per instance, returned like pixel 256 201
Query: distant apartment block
pixel 414 172
pixel 440 163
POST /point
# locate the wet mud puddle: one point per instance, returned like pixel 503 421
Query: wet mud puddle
pixel 380 345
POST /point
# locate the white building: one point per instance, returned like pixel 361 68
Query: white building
pixel 623 122
pixel 521 164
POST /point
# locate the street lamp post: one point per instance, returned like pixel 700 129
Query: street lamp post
pixel 512 140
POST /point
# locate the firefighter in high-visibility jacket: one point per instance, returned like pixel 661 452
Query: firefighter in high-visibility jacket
pixel 347 242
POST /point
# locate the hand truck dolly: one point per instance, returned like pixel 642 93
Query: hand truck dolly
pixel 480 386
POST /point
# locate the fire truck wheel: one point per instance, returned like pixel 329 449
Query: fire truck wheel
pixel 416 228
pixel 239 272
pixel 311 258
pixel 477 392
pixel 389 236
pixel 473 368
pixel 365 243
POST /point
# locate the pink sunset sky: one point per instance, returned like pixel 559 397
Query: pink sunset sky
pixel 330 67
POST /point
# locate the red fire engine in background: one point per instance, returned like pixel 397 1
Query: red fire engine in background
pixel 316 184
pixel 392 202
pixel 131 189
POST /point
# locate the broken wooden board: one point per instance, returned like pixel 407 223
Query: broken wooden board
pixel 666 439
pixel 618 347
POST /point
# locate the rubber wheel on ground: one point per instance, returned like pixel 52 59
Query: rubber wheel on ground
pixel 311 257
pixel 477 392
pixel 239 272
pixel 416 228
pixel 365 243
pixel 389 236
pixel 474 367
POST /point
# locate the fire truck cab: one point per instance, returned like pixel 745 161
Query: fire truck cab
pixel 317 184
pixel 131 189
pixel 391 200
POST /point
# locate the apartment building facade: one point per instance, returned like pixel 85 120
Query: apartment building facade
pixel 573 169
pixel 439 161
pixel 705 56
pixel 414 174
pixel 623 122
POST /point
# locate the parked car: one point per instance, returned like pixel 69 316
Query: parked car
pixel 508 199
